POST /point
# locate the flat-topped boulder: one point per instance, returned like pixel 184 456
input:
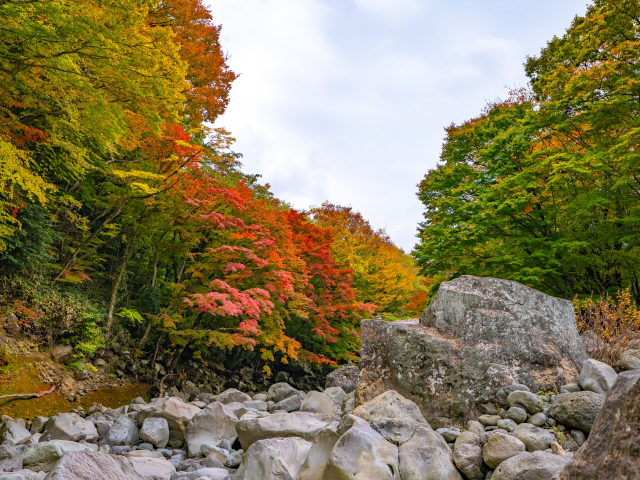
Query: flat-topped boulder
pixel 478 335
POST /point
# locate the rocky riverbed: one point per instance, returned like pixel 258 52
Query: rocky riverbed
pixel 514 420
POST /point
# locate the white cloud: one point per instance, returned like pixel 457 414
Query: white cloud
pixel 347 100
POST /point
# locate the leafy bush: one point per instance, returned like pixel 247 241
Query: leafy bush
pixel 608 326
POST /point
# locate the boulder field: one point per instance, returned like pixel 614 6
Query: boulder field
pixel 538 410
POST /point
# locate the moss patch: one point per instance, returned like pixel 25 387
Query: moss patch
pixel 20 375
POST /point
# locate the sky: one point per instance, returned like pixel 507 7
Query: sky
pixel 347 100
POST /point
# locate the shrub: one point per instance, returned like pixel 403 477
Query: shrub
pixel 608 326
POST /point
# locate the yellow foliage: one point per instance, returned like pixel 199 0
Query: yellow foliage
pixel 16 179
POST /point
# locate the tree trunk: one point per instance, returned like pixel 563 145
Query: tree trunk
pixel 114 295
pixel 178 354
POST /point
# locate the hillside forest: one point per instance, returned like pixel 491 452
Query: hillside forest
pixel 126 221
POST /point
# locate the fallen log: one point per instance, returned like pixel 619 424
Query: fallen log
pixel 38 395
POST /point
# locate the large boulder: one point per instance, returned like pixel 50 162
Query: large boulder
pixel 577 409
pixel 597 377
pixel 530 466
pixel 279 391
pixel 612 450
pixel 389 405
pixel 317 402
pixel 13 430
pixel 62 353
pixel 42 457
pixel 273 459
pixel 82 465
pixel 123 432
pixel 426 456
pixel 297 424
pixel 362 453
pixel 478 335
pixel 152 468
pixel 10 458
pixel 175 412
pixel 155 431
pixel 211 426
pixel 315 464
pixel 345 377
pixel 71 427
pixel 468 459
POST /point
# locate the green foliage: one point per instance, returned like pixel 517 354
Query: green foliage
pixel 542 188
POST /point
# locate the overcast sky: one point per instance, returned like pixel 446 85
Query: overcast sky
pixel 346 100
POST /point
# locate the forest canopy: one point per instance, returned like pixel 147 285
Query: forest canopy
pixel 126 220
pixel 544 187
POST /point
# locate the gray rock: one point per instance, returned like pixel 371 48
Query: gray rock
pixel 577 410
pixel 138 401
pixel 273 459
pixel 348 405
pixel 14 431
pixel 526 400
pixel 10 459
pixel 449 434
pixel 361 452
pixel 475 427
pixel 119 450
pixel 315 464
pixel 489 420
pixel 83 465
pixel 612 450
pixel 152 468
pixel 630 360
pixel 220 454
pixel 37 424
pixel 211 461
pixel 578 436
pixel 43 456
pixel 345 377
pixel 395 430
pixel 206 397
pixel 537 419
pixel 232 395
pixel 70 426
pixel 467 437
pixel 468 459
pixel 597 376
pixel 212 425
pixel 279 391
pixel 62 353
pixel 297 424
pixel 517 414
pixel 289 404
pixel 338 395
pixel 207 473
pixel 535 438
pixel 256 404
pixel 426 457
pixel 123 432
pixel 571 387
pixel 507 424
pixel 155 431
pixel 501 447
pixel 175 412
pixel 390 404
pixel 478 335
pixel 503 393
pixel 530 466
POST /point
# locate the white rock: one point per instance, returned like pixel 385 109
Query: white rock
pixel 362 453
pixel 536 465
pixel 316 462
pixel 152 468
pixel 155 431
pixel 318 402
pixel 427 457
pixel 43 456
pixel 597 376
pixel 210 426
pixel 232 395
pixel 273 459
pixel 501 447
pixel 297 424
pixel 175 412
pixel 72 427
